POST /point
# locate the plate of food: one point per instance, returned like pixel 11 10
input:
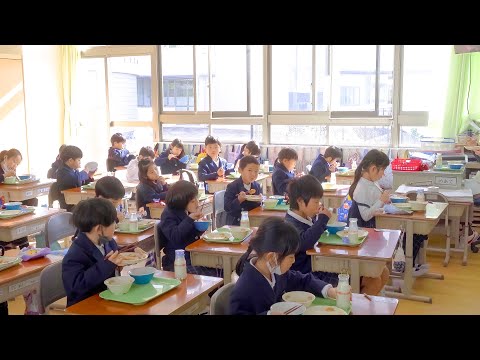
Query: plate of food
pixel 324 310
pixel 361 233
pixel 256 198
pixel 218 237
pixel 9 261
pixel 134 257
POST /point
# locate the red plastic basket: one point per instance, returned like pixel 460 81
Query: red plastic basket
pixel 407 164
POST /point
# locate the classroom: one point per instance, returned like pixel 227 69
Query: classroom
pixel 196 179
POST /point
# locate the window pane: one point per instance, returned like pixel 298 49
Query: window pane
pixel 201 60
pixel 360 135
pixel 136 137
pixel 322 81
pixel 185 132
pixel 298 134
pixel 385 91
pixel 256 80
pixel 229 77
pixel 291 78
pixel 177 77
pixel 129 86
pixel 237 133
pixel 410 136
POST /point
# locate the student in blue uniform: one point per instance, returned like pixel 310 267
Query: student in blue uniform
pixel 324 165
pixel 177 226
pixel 117 154
pixel 283 171
pixel 57 164
pixel 93 256
pixel 235 195
pixel 68 177
pixel 250 148
pixel 212 166
pixel 152 185
pixel 169 160
pixel 265 270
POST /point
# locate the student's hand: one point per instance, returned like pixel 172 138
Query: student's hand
pixel 171 156
pixel 242 196
pixel 325 211
pixel 196 215
pixel 113 257
pixel 297 175
pixel 161 180
pixel 385 197
pixel 142 211
pixel 120 216
pixel 221 171
pixel 332 293
pixel 9 173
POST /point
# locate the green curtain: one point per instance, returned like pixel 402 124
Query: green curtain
pixel 463 93
pixel 69 57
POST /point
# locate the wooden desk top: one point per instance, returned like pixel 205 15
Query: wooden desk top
pixel 201 246
pixel 161 204
pixel 128 239
pixel 341 192
pixel 264 213
pixel 378 245
pixel 24 268
pixel 418 215
pixel 40 213
pixel 260 177
pixel 377 306
pixel 126 185
pixel 173 301
pixel 27 186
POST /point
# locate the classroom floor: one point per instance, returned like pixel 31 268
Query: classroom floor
pixel 454 295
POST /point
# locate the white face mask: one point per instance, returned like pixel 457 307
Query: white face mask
pixel 275 269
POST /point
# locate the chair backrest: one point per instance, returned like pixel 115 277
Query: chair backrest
pixel 220 301
pixel 51 285
pixel 429 196
pixel 309 168
pixel 188 175
pixel 53 194
pixel 110 165
pixel 59 226
pixel 160 242
pixel 219 213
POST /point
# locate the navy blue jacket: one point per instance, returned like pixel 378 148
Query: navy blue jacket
pixel 231 204
pixel 179 231
pixel 84 269
pixel 147 191
pixel 280 179
pixel 309 236
pixel 320 168
pixel 52 172
pixel 169 166
pixel 68 178
pixel 119 157
pixel 207 169
pixel 253 294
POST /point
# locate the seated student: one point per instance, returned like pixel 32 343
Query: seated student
pixel 152 185
pixel 325 164
pixel 212 166
pixel 177 226
pixel 265 270
pixel 117 155
pixel 236 192
pixel 169 160
pixel 52 172
pixel 146 152
pixel 68 177
pixel 93 256
pixel 250 148
pixel 283 171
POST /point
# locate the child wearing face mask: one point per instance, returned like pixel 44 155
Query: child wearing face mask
pixel 265 273
pixel 93 256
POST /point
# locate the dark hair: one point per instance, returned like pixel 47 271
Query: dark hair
pixel 10 154
pixel 60 149
pixel 70 152
pixel 109 187
pixel 333 152
pixel 249 159
pixel 373 157
pixel 156 147
pixel 92 212
pixel 242 148
pixel 211 140
pixel 143 166
pixel 178 143
pixel 147 151
pixel 180 194
pixel 253 148
pixel 273 235
pixel 305 188
pixel 117 137
pixel 286 154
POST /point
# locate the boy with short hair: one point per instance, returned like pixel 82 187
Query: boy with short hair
pixel 212 166
pixel 324 165
pixel 117 154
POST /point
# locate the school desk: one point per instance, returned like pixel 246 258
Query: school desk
pixel 258 214
pixel 218 255
pixel 25 191
pixel 344 179
pixel 334 199
pixel 156 209
pixel 145 239
pixel 221 183
pixel 415 223
pixel 75 195
pixel 20 226
pixel 367 259
pixel 376 305
pixel 188 298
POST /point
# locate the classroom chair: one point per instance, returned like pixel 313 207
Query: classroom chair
pixel 220 301
pixel 188 175
pixel 51 288
pixel 219 213
pixel 58 227
pixel 160 242
pixel 53 194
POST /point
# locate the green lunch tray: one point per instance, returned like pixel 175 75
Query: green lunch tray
pixel 88 187
pixel 329 239
pixel 328 302
pixel 231 176
pixel 141 228
pixel 141 294
pixel 281 207
pixel 226 241
pixel 24 211
pixel 446 168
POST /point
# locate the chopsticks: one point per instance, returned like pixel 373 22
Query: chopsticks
pixel 292 309
pixel 379 187
pixel 127 248
pixel 368 297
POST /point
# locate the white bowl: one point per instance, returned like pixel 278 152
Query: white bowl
pixel 119 285
pixel 325 310
pixel 301 297
pixel 280 308
pixel 418 205
pixel 270 203
pixel 91 166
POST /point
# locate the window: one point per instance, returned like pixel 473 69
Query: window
pixel 237 133
pixel 349 95
pixel 360 135
pixel 137 137
pixel 177 94
pixel 203 82
pixel 144 91
pixel 292 134
pixel 185 132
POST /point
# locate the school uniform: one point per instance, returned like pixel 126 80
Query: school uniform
pixel 52 172
pixel 119 157
pixel 68 178
pixel 147 191
pixel 84 268
pixel 320 169
pixel 171 166
pixel 231 204
pixel 254 294
pixel 132 171
pixel 280 179
pixel 207 168
pixel 310 231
